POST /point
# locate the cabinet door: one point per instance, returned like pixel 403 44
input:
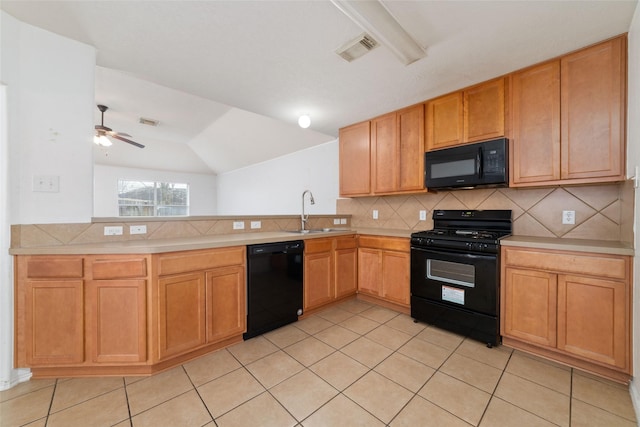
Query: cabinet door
pixel 395 276
pixel 484 111
pixel 226 301
pixel 355 151
pixel 318 280
pixel 593 111
pixel 443 118
pixel 54 322
pixel 116 320
pixel 528 306
pixel 411 148
pixel 346 272
pixel 535 149
pixel 593 317
pixel 370 271
pixel 181 308
pixel 384 153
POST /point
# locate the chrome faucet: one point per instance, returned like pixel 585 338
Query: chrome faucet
pixel 304 218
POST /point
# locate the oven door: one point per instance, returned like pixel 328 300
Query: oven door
pixel 458 279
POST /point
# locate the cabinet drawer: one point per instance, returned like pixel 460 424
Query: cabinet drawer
pixel 600 265
pixel 182 262
pixel 54 267
pixel 348 242
pixel 118 268
pixel 389 243
pixel 317 245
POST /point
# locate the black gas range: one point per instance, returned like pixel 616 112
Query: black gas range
pixel 455 271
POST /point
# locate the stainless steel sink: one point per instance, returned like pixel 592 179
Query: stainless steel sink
pixel 316 230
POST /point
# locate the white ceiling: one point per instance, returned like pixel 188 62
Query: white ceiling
pixel 228 79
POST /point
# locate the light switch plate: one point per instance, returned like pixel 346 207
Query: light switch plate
pixel 343 221
pixel 238 225
pixel 336 221
pixel 256 224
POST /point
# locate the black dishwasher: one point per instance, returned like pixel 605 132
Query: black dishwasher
pixel 274 285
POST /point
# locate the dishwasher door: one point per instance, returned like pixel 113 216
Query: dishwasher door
pixel 274 285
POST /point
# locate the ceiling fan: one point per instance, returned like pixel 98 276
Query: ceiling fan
pixel 102 132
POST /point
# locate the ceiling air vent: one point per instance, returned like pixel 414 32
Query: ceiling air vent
pixel 148 122
pixel 357 47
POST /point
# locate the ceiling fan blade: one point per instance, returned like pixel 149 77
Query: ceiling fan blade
pixel 127 140
pixel 126 135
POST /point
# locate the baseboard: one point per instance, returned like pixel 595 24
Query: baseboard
pixel 17 376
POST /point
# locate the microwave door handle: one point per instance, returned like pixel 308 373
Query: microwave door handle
pixel 479 171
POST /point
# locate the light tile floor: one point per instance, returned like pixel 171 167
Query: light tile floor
pixel 354 364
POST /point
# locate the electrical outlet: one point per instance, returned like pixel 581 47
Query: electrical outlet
pixel 137 229
pixel 423 215
pixel 568 217
pixel 256 224
pixel 238 225
pixel 336 221
pixel 375 214
pixel 113 230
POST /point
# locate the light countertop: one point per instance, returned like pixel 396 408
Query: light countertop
pixel 579 245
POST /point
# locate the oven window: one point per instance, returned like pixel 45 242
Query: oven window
pixel 456 168
pixel 451 272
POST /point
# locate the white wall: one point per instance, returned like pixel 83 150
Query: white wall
pixel 633 159
pixel 202 188
pixel 275 187
pixel 48 128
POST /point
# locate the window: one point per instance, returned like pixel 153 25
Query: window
pixel 148 198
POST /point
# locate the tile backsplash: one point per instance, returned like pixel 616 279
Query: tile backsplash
pixel 603 212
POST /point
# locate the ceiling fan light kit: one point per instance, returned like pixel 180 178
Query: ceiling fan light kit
pixel 304 121
pixel 102 132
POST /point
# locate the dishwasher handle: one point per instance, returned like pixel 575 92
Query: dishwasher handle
pixel 295 247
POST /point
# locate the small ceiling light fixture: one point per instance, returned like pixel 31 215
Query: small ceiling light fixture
pixel 102 141
pixel 304 121
pixel 373 17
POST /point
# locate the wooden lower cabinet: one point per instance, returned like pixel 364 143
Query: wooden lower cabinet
pixel 530 301
pixel 119 314
pixel 53 323
pixel 181 308
pixel 116 319
pixel 571 306
pixel 330 270
pixel 593 319
pixel 383 268
pixel 225 303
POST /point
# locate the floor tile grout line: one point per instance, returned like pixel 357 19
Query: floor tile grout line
pixel 126 396
pixel 493 393
pixel 199 395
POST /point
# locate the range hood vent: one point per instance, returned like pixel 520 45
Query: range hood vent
pixel 357 47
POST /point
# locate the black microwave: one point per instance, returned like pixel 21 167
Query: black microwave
pixel 483 164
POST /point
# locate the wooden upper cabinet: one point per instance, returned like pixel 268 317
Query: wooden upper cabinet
pixel 384 153
pixel 398 151
pixel 593 111
pixel 411 148
pixel 355 151
pixel 484 111
pixel 470 115
pixel 535 131
pixel 443 117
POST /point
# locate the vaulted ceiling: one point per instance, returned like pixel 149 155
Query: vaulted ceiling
pixel 227 79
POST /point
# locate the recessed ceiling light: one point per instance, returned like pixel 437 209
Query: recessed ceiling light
pixel 304 121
